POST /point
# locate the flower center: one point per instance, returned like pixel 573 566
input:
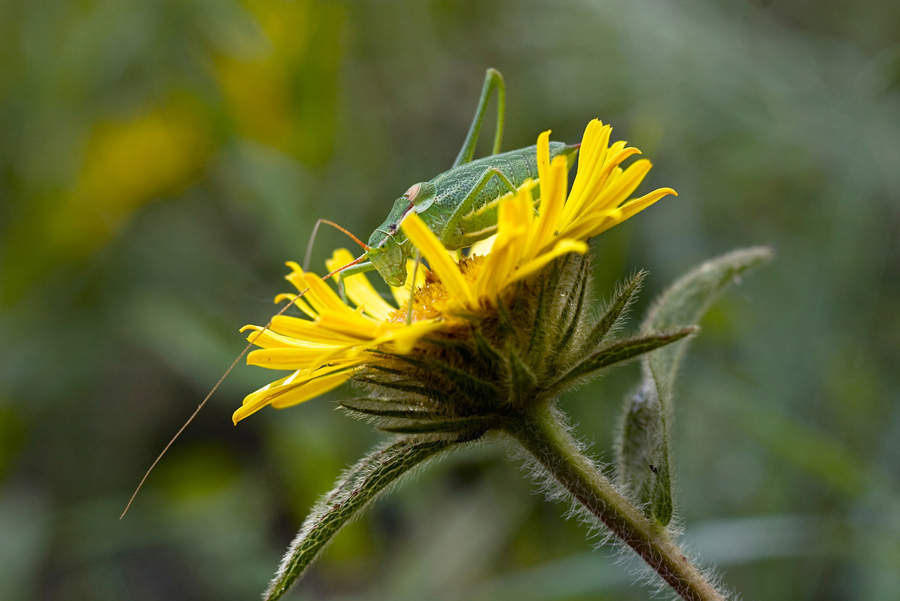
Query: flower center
pixel 431 300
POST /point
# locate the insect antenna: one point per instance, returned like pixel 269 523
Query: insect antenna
pixel 232 366
pixel 312 238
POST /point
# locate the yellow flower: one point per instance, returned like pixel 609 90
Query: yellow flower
pixel 323 352
pixel 338 339
pixel 525 243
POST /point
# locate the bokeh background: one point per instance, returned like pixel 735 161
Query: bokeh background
pixel 161 159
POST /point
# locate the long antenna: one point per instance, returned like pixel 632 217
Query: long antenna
pixel 225 375
pixel 312 238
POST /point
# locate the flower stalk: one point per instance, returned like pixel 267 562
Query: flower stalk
pixel 541 431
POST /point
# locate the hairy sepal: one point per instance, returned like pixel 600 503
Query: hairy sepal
pixel 616 311
pixel 622 351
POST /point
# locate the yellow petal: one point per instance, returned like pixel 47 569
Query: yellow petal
pixel 440 262
pixel 271 339
pixel 612 196
pixel 311 331
pixel 518 219
pixel 296 278
pixel 310 390
pixel 483 247
pixel 292 390
pixel 597 197
pixel 543 156
pixel 350 324
pixel 322 298
pixel 591 159
pixel 296 358
pixel 633 207
pixel 298 302
pixel 358 288
pixel 255 401
pixel 553 198
pixel 339 258
pixel 406 338
pixel 495 271
pixel 514 218
pixel 563 247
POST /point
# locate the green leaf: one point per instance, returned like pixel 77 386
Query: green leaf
pixel 541 327
pixel 644 462
pixel 522 380
pixel 571 309
pixel 402 386
pixel 487 354
pixel 356 488
pixel 381 408
pixel 474 388
pixel 644 455
pixel 615 310
pixel 507 328
pixel 687 300
pixel 432 427
pixel 624 350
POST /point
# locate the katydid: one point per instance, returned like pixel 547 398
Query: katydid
pixel 459 206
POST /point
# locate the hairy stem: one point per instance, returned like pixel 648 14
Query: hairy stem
pixel 543 434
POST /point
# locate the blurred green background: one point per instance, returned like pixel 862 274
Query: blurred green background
pixel 161 159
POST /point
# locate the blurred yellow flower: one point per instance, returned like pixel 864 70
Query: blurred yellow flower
pixel 126 165
pixel 278 78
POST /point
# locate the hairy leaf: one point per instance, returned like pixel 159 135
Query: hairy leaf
pixel 388 409
pixel 522 379
pixel 571 309
pixel 430 427
pixel 615 310
pixel 688 299
pixel 644 462
pixel 402 386
pixel 356 488
pixel 487 354
pixel 621 351
pixel 644 456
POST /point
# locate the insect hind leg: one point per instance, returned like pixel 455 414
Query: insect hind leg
pixel 468 203
pixel 492 80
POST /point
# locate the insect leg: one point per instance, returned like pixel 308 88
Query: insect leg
pixel 309 246
pixel 467 204
pixel 358 268
pixel 492 79
pixel 412 288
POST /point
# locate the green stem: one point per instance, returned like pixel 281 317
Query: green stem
pixel 543 434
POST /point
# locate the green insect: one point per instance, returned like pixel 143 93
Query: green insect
pixel 460 205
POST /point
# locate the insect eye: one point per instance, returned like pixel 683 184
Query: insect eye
pixel 382 244
pixel 412 192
